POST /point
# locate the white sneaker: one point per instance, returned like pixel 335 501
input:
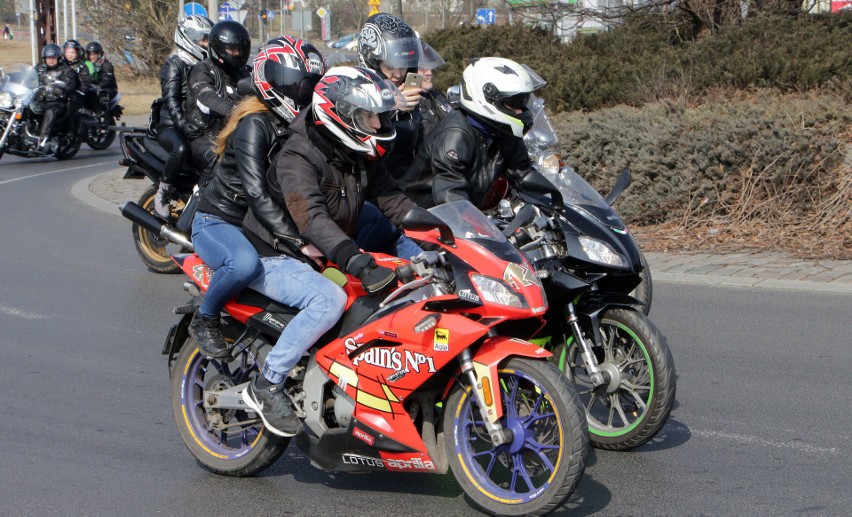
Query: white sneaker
pixel 162 203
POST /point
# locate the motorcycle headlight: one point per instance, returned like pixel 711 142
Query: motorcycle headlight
pixel 548 162
pixel 599 251
pixel 496 291
pixel 6 100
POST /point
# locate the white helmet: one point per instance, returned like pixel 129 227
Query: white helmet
pixel 190 32
pixel 345 102
pixel 498 90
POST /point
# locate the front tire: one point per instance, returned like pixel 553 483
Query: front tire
pixel 634 406
pixel 225 442
pixel 541 467
pixel 155 251
pixel 69 151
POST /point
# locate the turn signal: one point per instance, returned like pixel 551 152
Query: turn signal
pixel 18 116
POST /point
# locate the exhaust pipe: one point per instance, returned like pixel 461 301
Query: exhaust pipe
pixel 143 218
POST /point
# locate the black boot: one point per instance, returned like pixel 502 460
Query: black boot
pixel 271 403
pixel 208 332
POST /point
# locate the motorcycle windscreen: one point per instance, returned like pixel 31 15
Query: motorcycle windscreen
pixel 577 192
pixel 467 222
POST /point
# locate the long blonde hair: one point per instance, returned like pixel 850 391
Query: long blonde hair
pixel 246 107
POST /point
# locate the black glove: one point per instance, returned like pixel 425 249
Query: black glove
pixel 374 278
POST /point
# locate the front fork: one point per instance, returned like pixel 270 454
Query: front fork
pixel 590 362
pixel 499 435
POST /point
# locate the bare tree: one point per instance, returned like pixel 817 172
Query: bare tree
pixel 145 28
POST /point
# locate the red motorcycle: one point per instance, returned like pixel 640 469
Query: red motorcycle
pixel 420 381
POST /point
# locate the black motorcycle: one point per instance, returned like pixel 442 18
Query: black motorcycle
pixel 99 116
pixel 20 118
pixel 601 339
pixel 145 159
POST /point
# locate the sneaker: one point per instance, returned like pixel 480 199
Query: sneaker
pixel 208 332
pixel 270 402
pixel 162 201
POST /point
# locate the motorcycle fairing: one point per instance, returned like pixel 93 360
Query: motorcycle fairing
pixel 492 352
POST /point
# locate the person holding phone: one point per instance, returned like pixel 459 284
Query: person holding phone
pixel 390 47
pixel 434 106
pixel 480 143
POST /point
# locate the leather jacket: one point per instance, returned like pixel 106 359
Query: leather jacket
pixel 174 76
pixel 433 108
pixel 212 94
pixel 105 74
pixel 48 77
pixel 324 189
pixel 238 186
pixel 83 74
pixel 409 133
pixel 460 159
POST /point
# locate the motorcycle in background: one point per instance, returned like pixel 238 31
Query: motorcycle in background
pixel 99 117
pixel 19 122
pixel 145 159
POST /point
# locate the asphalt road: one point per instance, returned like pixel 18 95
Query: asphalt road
pixel 761 426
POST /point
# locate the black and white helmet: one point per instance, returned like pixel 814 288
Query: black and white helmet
pixel 387 39
pixel 190 32
pixel 355 106
pixel 497 90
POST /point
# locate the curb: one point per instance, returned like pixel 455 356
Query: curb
pixel 82 192
pixel 765 283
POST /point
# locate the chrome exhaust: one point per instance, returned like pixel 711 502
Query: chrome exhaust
pixel 145 219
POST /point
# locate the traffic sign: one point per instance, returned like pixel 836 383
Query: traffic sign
pixel 321 12
pixel 227 11
pixel 485 16
pixel 194 8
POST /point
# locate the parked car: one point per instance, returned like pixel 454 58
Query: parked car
pixel 345 42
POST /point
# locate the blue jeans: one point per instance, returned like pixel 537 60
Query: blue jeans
pixel 223 247
pixel 320 301
pixel 378 234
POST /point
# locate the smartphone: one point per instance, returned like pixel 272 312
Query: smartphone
pixel 413 80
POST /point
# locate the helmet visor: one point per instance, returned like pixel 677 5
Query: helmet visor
pixel 381 97
pixel 536 82
pixel 403 52
pixel 373 123
pixel 430 59
pixel 295 84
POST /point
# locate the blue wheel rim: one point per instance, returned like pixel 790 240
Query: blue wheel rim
pixel 228 444
pixel 522 470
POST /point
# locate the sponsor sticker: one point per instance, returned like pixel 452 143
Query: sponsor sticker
pixel 441 341
pixel 361 435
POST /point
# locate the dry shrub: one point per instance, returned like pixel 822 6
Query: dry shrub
pixel 752 168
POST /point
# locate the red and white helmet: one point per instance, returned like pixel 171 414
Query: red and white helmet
pixel 284 75
pixel 356 106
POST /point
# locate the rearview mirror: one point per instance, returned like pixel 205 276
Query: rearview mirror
pixel 454 95
pixel 623 181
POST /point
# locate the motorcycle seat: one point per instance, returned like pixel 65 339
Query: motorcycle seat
pixel 152 146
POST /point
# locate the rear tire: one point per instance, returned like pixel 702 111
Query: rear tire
pixel 243 449
pixel 69 151
pixel 155 251
pixel 540 468
pixel 100 139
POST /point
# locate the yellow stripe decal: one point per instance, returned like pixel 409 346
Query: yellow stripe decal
pixel 389 394
pixel 373 401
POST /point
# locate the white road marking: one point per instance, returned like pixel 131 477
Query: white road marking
pixel 11 311
pixel 54 172
pixel 756 440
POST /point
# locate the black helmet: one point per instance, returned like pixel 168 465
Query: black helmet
pixel 387 39
pixel 95 48
pixel 72 43
pixel 51 50
pixel 229 35
pixel 285 73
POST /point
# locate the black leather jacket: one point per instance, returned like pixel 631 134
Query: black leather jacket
pixel 83 74
pixel 105 75
pixel 239 181
pixel 433 108
pixel 460 161
pixel 325 189
pixel 409 133
pixel 48 77
pixel 211 96
pixel 174 75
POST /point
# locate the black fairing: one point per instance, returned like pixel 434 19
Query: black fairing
pixel 587 220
